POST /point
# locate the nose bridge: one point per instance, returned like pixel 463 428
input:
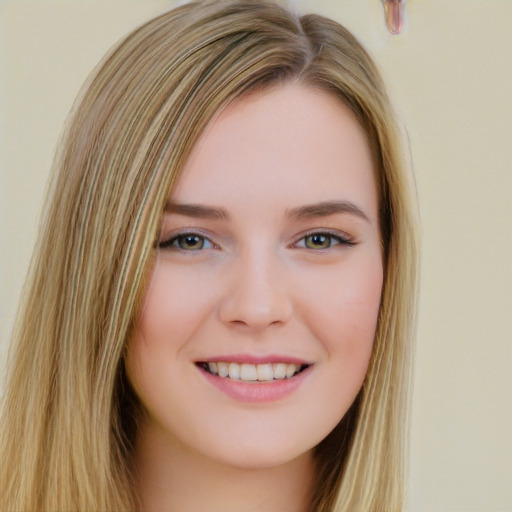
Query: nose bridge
pixel 258 295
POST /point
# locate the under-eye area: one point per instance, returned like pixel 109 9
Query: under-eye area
pixel 266 372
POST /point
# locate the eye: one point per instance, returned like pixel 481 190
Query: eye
pixel 187 242
pixel 322 240
pixel 319 241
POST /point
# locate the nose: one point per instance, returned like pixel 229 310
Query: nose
pixel 258 294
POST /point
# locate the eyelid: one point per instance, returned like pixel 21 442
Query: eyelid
pixel 167 242
pixel 343 238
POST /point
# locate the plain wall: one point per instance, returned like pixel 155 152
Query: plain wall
pixel 450 73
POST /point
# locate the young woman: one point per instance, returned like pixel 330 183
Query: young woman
pixel 220 308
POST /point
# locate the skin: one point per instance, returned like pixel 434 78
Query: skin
pixel 253 282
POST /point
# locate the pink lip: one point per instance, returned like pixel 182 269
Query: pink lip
pixel 256 392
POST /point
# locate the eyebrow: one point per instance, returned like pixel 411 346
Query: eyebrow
pixel 326 208
pixel 323 209
pixel 197 210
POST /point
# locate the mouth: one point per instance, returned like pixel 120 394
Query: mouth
pixel 252 373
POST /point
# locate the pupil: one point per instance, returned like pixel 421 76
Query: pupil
pixel 191 242
pixel 319 241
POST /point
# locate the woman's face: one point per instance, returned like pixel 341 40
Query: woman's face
pixel 260 315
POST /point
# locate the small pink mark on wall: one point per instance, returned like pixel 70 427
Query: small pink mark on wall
pixel 394 15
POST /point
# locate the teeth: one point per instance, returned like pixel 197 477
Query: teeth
pixel 223 369
pixel 248 372
pixel 234 371
pixel 290 370
pixel 254 372
pixel 265 372
pixel 279 370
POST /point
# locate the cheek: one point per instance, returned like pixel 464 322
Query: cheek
pixel 345 318
pixel 357 317
pixel 174 306
pixel 345 322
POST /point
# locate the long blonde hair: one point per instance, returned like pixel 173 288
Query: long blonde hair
pixel 68 413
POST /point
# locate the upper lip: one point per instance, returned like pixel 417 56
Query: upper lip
pixel 255 359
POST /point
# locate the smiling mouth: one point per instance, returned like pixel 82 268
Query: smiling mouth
pixel 266 372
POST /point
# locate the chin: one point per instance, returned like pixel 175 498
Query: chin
pixel 246 450
pixel 256 458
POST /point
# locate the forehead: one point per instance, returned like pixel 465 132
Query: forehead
pixel 290 144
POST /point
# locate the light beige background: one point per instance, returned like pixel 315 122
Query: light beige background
pixel 450 73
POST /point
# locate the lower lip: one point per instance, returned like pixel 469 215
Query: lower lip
pixel 256 392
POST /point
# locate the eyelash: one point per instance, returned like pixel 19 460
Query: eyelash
pixel 171 243
pixel 341 239
pixel 336 236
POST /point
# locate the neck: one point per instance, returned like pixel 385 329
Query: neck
pixel 172 478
